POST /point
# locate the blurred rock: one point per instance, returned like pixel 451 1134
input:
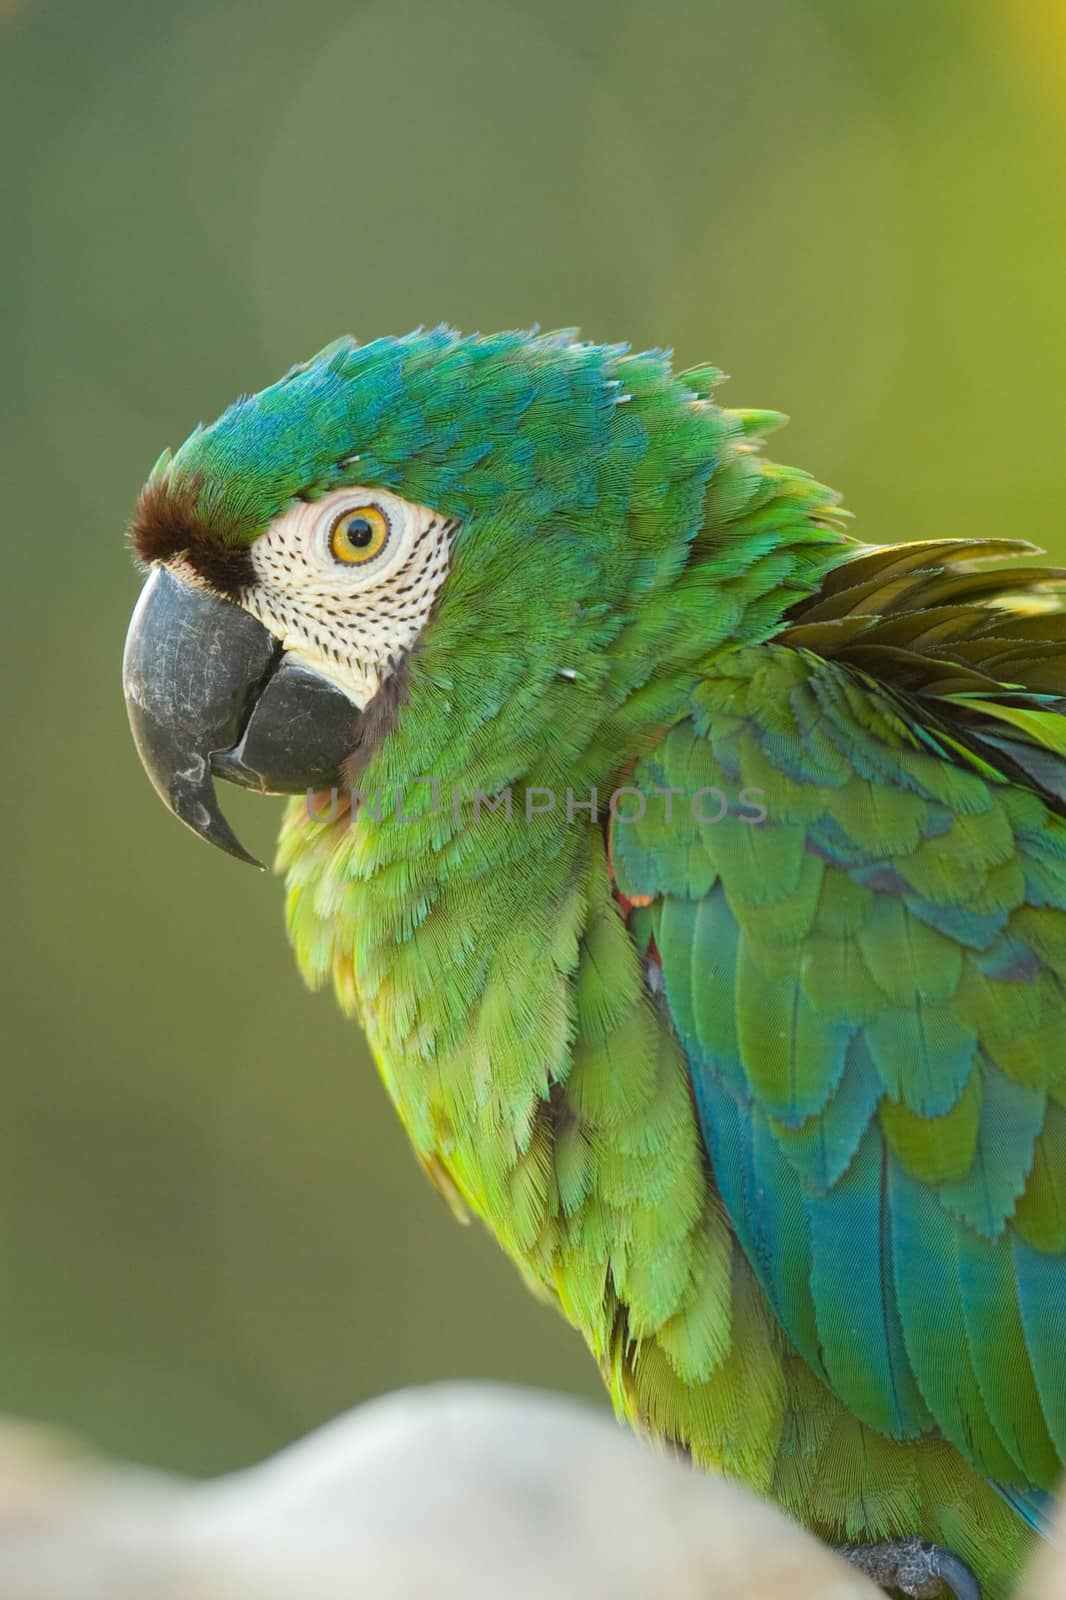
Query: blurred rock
pixel 1046 1578
pixel 459 1492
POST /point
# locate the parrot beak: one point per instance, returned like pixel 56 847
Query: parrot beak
pixel 210 693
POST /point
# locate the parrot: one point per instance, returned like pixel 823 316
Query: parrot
pixel 697 875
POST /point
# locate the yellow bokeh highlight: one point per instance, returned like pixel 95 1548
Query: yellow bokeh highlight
pixel 1036 31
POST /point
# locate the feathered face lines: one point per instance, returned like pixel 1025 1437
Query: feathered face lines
pixel 348 582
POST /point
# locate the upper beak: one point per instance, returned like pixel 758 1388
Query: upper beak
pixel 209 692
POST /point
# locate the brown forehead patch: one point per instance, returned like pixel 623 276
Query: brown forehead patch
pixel 168 523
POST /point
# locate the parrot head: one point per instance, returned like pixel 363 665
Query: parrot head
pixel 469 522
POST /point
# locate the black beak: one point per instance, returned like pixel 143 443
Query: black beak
pixel 209 692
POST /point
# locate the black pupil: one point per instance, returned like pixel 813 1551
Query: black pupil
pixel 360 533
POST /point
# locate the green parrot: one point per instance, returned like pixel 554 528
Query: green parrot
pixel 698 876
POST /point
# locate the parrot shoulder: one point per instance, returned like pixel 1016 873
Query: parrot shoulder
pixel 856 913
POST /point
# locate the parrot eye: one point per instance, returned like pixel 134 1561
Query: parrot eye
pixel 353 540
pixel 359 535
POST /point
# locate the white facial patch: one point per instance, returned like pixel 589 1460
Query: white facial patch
pixel 347 583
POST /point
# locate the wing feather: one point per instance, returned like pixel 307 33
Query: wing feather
pixel 870 989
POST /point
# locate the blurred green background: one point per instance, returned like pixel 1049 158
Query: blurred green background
pixel 211 1233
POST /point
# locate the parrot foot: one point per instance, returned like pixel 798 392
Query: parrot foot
pixel 914 1567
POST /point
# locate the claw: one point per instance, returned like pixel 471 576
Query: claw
pixel 916 1568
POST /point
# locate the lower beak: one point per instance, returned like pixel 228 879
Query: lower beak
pixel 210 693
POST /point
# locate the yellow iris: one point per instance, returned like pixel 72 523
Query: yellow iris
pixel 359 535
